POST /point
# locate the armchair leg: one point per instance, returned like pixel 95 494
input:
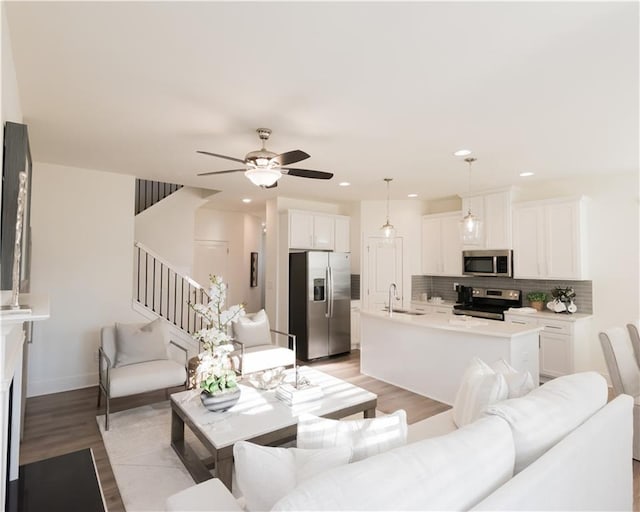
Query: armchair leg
pixel 106 415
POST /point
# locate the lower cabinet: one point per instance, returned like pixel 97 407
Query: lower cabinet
pixel 432 308
pixel 564 347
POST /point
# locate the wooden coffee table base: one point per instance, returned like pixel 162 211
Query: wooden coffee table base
pixel 223 458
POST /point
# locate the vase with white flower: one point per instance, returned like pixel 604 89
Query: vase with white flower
pixel 215 374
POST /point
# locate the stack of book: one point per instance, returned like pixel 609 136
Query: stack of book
pixel 292 396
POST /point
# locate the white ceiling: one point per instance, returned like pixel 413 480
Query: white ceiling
pixel 368 89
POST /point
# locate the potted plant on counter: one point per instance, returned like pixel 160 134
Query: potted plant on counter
pixel 537 300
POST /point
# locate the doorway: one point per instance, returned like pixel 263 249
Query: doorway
pixel 210 257
pixel 384 266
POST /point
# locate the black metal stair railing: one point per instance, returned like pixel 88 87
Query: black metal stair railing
pixel 162 289
pixel 149 192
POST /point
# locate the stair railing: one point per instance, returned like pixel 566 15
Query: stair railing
pixel 149 192
pixel 164 290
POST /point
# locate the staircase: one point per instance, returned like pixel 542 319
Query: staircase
pixel 162 290
pixel 149 192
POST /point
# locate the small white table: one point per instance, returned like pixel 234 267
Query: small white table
pixel 258 417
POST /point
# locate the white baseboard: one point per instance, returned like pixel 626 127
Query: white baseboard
pixel 48 386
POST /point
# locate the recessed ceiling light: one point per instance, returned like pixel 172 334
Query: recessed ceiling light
pixel 526 173
pixel 344 184
pixel 246 200
pixel 462 152
pixel 412 195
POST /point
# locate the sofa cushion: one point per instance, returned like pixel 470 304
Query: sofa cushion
pixel 252 329
pixel 519 383
pixel 266 474
pixel 208 496
pixel 143 377
pixel 262 357
pixel 366 436
pixel 437 425
pixel 479 388
pixel 451 472
pixel 139 343
pixel 541 418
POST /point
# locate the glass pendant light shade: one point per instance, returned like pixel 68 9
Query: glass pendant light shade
pixel 470 225
pixel 470 229
pixel 387 229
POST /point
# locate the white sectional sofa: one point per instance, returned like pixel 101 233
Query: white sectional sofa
pixel 561 447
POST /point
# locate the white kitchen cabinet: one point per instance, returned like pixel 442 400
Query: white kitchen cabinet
pixel 355 324
pixel 494 210
pixel 564 341
pixel 549 239
pixel 310 230
pixel 441 245
pixel 342 233
pixel 436 309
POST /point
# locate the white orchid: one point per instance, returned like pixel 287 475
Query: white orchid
pixel 215 372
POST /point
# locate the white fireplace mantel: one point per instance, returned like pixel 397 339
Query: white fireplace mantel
pixel 11 345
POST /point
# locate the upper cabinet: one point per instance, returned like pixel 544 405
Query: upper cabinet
pixel 441 246
pixel 320 231
pixel 549 239
pixel 494 210
pixel 342 233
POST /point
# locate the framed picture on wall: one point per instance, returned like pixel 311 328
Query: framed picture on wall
pixel 253 275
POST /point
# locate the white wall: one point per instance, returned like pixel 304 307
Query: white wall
pixel 243 232
pixel 168 227
pixel 10 109
pixel 82 227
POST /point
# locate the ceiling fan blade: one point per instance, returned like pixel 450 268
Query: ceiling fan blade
pixel 273 186
pixel 290 157
pixel 308 173
pixel 221 156
pixel 221 172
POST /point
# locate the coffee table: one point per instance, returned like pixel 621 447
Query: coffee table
pixel 258 417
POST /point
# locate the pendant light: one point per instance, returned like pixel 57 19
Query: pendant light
pixel 470 225
pixel 388 231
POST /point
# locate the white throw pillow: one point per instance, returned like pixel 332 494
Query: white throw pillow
pixel 450 472
pixel 139 343
pixel 543 417
pixel 252 329
pixel 520 383
pixel 366 437
pixel 266 474
pixel 480 387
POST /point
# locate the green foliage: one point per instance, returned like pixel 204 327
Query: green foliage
pixel 537 297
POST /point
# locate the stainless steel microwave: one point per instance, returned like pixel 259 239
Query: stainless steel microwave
pixel 488 263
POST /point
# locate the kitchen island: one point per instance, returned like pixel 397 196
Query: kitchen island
pixel 428 353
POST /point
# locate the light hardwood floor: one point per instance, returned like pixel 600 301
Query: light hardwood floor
pixel 64 422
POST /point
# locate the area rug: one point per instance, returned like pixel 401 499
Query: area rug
pixel 146 468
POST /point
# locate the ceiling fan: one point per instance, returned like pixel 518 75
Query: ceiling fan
pixel 264 168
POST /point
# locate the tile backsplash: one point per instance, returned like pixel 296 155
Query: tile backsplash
pixel 443 287
pixel 355 286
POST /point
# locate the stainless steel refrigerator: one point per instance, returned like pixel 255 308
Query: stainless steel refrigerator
pixel 320 303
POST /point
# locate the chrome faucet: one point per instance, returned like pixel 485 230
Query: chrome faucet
pixel 393 296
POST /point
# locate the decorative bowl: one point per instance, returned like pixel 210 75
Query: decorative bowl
pixel 220 402
pixel 268 379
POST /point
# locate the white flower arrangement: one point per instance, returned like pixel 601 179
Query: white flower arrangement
pixel 215 372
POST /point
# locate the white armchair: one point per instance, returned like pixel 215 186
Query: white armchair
pixel 634 333
pixel 624 372
pixel 138 358
pixel 256 349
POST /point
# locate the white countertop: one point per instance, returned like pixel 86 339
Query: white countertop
pixel 448 303
pixel 457 323
pixel 546 314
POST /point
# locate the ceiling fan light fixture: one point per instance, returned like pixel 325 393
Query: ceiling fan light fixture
pixel 263 176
